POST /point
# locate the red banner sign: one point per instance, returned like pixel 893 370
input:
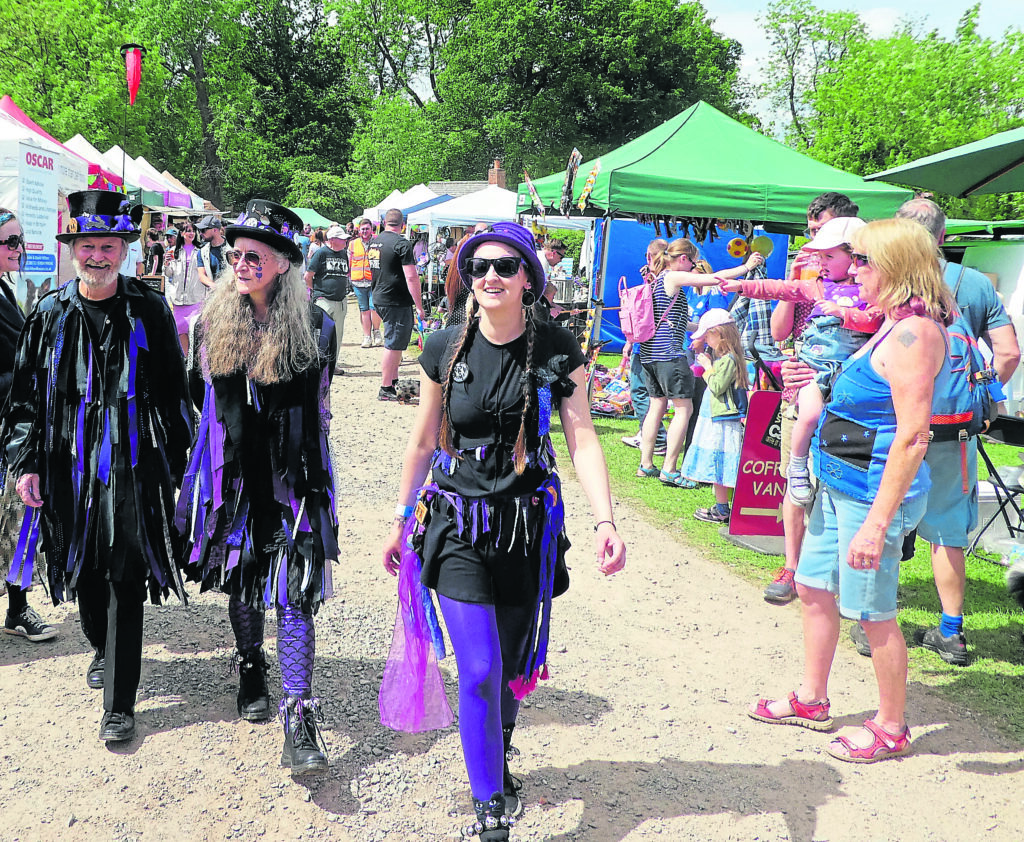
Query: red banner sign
pixel 760 486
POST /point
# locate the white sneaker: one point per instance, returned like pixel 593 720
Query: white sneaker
pixel 631 441
pixel 367 342
pixel 799 485
pixel 377 339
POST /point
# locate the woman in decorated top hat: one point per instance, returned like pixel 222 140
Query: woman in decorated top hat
pixel 22 620
pixel 488 531
pixel 257 504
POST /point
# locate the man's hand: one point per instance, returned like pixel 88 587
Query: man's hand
pixel 796 374
pixel 28 490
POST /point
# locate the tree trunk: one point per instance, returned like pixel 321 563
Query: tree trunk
pixel 213 169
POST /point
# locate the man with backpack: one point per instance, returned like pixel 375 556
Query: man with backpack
pixel 952 511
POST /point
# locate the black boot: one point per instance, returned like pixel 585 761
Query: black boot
pixel 253 696
pixel 491 825
pixel 302 742
pixel 512 784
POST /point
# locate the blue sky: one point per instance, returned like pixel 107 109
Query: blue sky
pixel 738 19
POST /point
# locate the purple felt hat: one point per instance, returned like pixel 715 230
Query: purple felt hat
pixel 512 235
pixel 269 223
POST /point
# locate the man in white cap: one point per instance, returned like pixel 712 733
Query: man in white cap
pixel 328 277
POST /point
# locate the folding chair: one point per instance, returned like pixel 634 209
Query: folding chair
pixel 1008 482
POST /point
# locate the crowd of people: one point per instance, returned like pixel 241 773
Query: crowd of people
pixel 154 439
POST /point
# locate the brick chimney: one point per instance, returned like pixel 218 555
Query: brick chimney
pixel 496 175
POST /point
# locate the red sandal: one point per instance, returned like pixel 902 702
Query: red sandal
pixel 886 745
pixel 813 715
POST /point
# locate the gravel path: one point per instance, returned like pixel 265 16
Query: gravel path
pixel 639 734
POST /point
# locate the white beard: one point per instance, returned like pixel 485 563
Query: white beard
pixel 95 278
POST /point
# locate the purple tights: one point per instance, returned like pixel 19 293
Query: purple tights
pixel 296 649
pixel 247 624
pixel 489 642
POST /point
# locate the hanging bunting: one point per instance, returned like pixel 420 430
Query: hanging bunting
pixel 588 186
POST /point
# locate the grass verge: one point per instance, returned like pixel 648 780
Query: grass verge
pixel 992 685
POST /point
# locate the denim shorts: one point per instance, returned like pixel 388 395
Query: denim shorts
pixel 952 513
pixel 364 297
pixel 398 323
pixel 833 522
pixel 826 346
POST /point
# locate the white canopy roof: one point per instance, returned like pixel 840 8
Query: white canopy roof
pixel 492 204
pixel 73 171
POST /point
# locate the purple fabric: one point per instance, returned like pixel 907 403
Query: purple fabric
pixel 296 650
pixel 473 629
pixel 23 563
pixel 412 696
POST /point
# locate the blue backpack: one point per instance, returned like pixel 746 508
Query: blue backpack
pixel 964 407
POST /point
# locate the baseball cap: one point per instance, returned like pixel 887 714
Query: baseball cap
pixel 712 318
pixel 209 221
pixel 171 232
pixel 835 232
pixel 337 232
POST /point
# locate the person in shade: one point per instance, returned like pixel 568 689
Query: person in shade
pixel 488 530
pixel 22 620
pixel 97 430
pixel 257 503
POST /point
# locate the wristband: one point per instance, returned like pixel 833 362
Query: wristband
pixel 598 524
pixel 404 512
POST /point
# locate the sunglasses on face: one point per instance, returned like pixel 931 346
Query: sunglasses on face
pixel 250 258
pixel 505 267
pixel 859 260
pixel 15 241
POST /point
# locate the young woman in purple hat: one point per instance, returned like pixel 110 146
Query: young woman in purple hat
pixel 488 531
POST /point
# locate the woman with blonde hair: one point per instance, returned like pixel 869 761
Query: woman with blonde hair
pixel 873 485
pixel 666 370
pixel 257 504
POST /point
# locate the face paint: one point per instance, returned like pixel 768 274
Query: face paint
pixel 259 273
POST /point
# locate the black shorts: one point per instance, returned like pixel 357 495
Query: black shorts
pixel 495 569
pixel 669 379
pixel 398 323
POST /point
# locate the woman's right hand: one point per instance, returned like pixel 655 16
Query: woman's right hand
pixel 796 374
pixel 392 553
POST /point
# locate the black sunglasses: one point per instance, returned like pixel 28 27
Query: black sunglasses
pixel 15 241
pixel 506 267
pixel 859 260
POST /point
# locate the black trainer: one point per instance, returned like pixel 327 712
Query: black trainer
pixel 29 625
pixel 860 640
pixel 953 650
pixel 387 393
pixel 253 696
pixel 302 750
pixel 511 784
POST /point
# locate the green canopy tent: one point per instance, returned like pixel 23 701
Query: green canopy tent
pixel 992 165
pixel 702 163
pixel 311 217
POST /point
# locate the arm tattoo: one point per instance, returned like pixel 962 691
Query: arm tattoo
pixel 907 338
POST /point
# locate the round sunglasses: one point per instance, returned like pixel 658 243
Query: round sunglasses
pixel 14 242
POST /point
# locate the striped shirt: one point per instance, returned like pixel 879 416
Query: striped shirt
pixel 669 340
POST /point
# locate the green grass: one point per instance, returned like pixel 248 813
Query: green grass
pixel 993 684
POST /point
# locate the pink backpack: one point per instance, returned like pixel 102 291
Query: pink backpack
pixel 636 311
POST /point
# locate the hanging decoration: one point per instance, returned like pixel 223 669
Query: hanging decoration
pixel 133 54
pixel 588 185
pixel 575 159
pixel 534 195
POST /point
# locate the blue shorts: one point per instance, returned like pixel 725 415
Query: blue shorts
pixel 952 513
pixel 364 298
pixel 397 323
pixel 834 520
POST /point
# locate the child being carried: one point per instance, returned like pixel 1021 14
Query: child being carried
pixel 840 323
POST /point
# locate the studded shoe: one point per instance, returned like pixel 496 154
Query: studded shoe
pixel 253 696
pixel 491 825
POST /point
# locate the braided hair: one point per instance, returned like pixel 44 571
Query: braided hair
pixel 460 349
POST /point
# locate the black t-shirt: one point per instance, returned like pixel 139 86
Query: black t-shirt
pixel 487 402
pixel 155 259
pixel 387 253
pixel 330 274
pixel 96 313
pixel 216 260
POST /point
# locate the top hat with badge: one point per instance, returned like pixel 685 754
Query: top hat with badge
pixel 269 223
pixel 101 213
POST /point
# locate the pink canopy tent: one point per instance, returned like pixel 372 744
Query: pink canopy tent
pixel 98 176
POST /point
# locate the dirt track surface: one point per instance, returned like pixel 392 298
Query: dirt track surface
pixel 639 734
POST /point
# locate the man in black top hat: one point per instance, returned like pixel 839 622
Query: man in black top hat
pixel 97 431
